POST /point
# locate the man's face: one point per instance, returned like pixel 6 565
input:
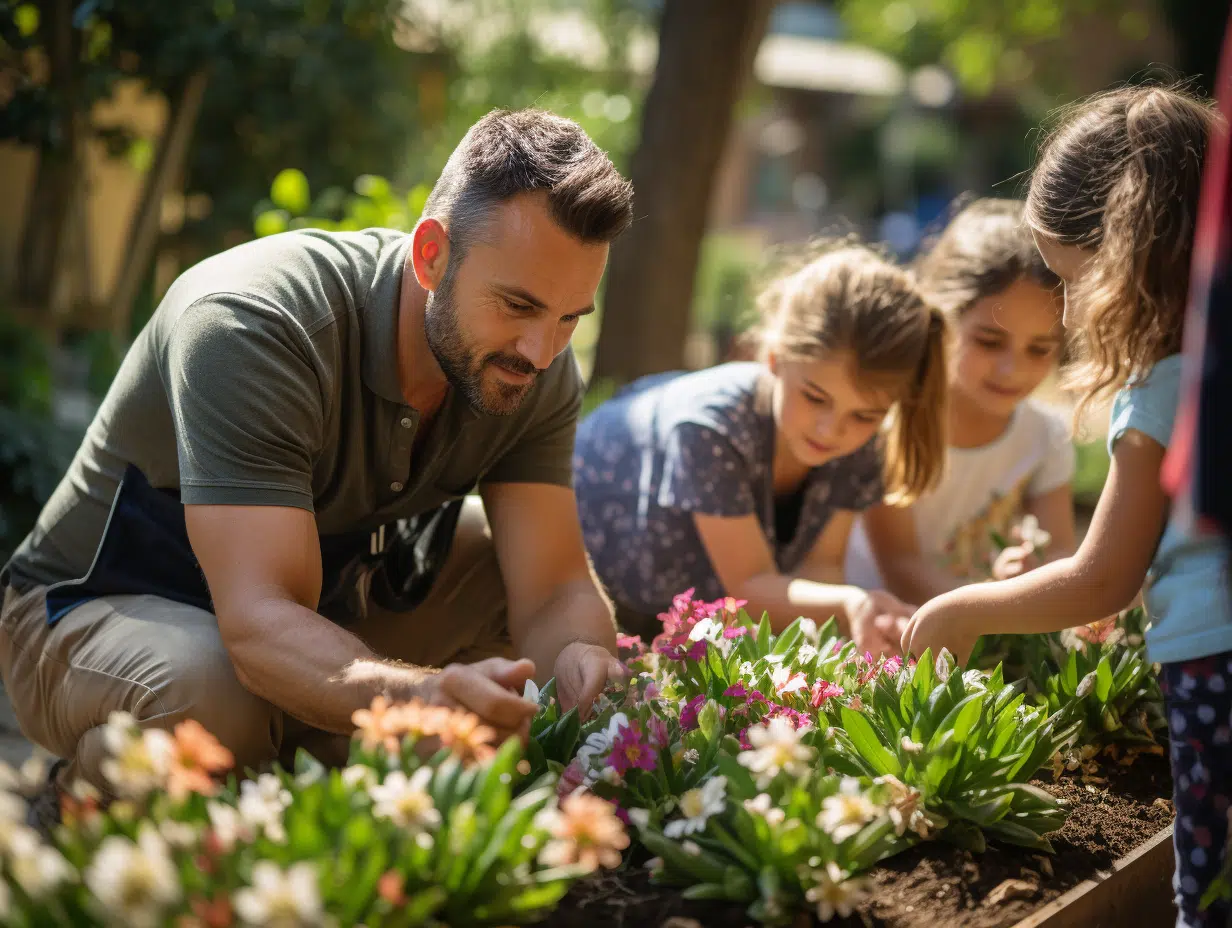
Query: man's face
pixel 501 315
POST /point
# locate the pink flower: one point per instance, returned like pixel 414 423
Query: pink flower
pixel 657 729
pixel 798 719
pixel 688 715
pixel 652 690
pixel 630 641
pixel 743 738
pixel 823 690
pixel 570 779
pixel 856 703
pixel 737 690
pixel 681 614
pixel 679 648
pixel 736 631
pixel 727 606
pixel 630 752
pixel 892 666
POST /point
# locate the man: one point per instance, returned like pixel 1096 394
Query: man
pixel 263 527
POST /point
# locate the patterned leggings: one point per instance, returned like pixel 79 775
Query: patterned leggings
pixel 1198 699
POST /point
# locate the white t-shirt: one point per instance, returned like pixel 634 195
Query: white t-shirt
pixel 982 490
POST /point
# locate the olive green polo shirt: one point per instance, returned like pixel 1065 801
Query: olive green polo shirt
pixel 269 376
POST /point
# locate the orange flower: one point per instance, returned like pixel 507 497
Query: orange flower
pixel 380 724
pixel 389 888
pixel 215 913
pixel 197 756
pixel 469 739
pixel 424 720
pixel 586 833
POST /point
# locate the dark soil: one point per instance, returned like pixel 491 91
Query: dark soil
pixel 934 884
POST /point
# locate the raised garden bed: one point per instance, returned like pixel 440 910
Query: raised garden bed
pixel 1113 855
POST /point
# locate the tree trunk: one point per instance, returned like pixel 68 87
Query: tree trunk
pixel 57 176
pixel 144 229
pixel 706 52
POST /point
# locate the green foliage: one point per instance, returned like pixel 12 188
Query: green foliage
pixel 373 204
pixel 1091 463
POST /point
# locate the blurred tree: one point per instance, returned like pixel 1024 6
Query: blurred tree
pixel 705 59
pixel 233 64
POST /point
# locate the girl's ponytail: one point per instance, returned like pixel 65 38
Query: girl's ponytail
pixel 915 439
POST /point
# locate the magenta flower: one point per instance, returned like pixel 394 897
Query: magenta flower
pixel 620 812
pixel 630 752
pixel 688 715
pixel 738 691
pixel 652 690
pixel 823 690
pixel 798 719
pixel 743 738
pixel 657 729
pixel 736 631
pixel 570 778
pixel 892 666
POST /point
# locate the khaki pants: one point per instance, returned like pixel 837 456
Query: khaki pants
pixel 164 662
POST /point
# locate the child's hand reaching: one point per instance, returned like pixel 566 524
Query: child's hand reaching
pixel 941 623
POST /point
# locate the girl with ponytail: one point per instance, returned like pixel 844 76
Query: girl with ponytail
pixel 1112 206
pixel 743 480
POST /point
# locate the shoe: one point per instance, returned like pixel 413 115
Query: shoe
pixel 43 814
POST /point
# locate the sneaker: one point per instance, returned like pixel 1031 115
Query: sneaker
pixel 43 814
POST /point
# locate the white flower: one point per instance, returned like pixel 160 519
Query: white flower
pixel 697 805
pixel 139 760
pixel 134 883
pixel 846 812
pixel 786 681
pixel 911 747
pixel 359 776
pixel 774 658
pixel 707 630
pixel 906 809
pixel 806 655
pixel 530 691
pixel 1031 533
pixel 692 848
pixel 286 899
pixel 944 664
pixel 178 834
pixel 228 825
pixel 975 680
pixel 639 817
pixel 809 628
pixel 1085 685
pixel 833 893
pixel 262 803
pixel 12 810
pixel 597 746
pixel 690 757
pixel 654 865
pixel 776 747
pixel 761 805
pixel 36 867
pixel 405 801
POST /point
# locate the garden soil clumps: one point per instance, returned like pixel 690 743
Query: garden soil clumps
pixel 935 883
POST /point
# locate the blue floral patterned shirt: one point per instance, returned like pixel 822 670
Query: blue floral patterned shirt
pixel 672 445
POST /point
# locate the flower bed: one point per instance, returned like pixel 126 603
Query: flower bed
pixel 763 777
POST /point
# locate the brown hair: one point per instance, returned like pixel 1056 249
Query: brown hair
pixel 983 250
pixel 849 298
pixel 1120 176
pixel 508 153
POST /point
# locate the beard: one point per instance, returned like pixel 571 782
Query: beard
pixel 462 364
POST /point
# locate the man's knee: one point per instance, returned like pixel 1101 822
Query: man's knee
pixel 204 687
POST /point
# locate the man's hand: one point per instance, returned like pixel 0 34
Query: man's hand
pixel 941 623
pixel 492 689
pixel 876 620
pixel 1015 560
pixel 582 670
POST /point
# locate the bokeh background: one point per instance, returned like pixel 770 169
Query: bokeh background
pixel 138 137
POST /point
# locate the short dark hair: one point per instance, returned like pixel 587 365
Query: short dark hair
pixel 522 151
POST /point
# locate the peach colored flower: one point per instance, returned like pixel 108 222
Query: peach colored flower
pixel 197 757
pixel 585 832
pixel 389 888
pixel 469 739
pixel 380 724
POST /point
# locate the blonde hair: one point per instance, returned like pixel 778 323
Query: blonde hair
pixel 847 298
pixel 1120 176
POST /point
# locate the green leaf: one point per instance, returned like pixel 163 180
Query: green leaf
pixel 1103 679
pixel 866 742
pixel 1069 675
pixel 708 891
pixel 290 191
pixel 1013 833
pixel 924 678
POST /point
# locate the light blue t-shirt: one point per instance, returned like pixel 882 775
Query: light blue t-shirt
pixel 1186 592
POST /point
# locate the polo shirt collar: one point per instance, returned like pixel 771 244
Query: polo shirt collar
pixel 379 332
pixel 379 322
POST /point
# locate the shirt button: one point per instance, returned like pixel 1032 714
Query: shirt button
pixel 396 486
pixel 406 422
